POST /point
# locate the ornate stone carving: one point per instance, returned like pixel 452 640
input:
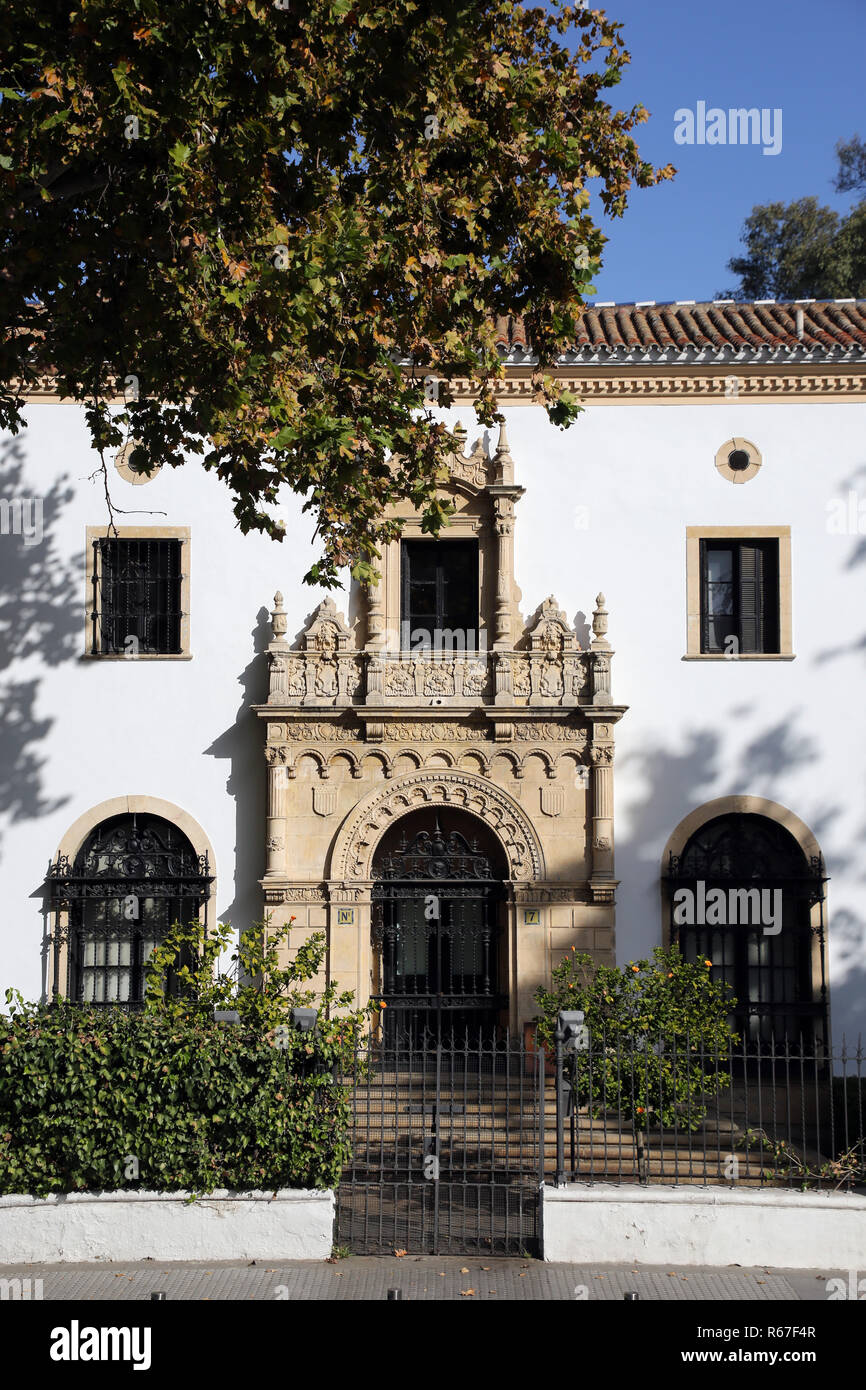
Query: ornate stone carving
pixel 469 468
pixel 322 733
pixel 327 631
pixel 601 754
pixel 601 842
pixel 551 680
pixel 439 678
pixel 274 843
pixel 324 800
pixel 353 677
pixel 474 677
pixel 435 732
pixel 400 678
pixel 279 620
pixel 362 830
pixel 553 800
pixel 276 754
pixel 521 677
pixel 549 631
pixel 550 733
pixel 574 675
pixel 326 683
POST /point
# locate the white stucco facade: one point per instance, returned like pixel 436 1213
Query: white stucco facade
pixel 606 508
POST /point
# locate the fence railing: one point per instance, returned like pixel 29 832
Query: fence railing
pixel 671 1111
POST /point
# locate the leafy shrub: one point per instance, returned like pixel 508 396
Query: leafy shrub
pixel 166 1099
pixel 656 1034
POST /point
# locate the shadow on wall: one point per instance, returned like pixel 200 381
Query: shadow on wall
pixel 41 620
pixel 849 516
pixel 680 782
pixel 242 745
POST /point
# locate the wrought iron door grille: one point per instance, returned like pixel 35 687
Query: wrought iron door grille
pixel 136 597
pixel 435 928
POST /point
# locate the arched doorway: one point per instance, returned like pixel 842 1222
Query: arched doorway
pixel 438 961
pixel 743 894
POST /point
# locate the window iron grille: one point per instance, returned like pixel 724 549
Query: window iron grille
pixel 134 877
pixel 136 597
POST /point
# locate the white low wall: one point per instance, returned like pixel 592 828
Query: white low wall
pixel 605 1224
pixel 86 1226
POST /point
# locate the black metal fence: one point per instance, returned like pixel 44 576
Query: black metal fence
pixel 447 1148
pixel 671 1111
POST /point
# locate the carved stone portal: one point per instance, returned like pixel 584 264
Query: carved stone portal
pixel 518 734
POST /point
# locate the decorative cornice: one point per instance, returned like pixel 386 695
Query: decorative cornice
pixel 686 381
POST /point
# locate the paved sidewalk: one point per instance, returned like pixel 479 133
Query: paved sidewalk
pixel 418 1277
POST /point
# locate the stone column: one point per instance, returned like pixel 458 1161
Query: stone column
pixel 276 817
pixel 602 809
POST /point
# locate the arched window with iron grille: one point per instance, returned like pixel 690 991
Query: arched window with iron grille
pixel 753 895
pixel 134 876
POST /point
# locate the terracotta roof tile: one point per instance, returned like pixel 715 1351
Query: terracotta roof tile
pixel 830 326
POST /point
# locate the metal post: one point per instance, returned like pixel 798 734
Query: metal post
pixel 560 1138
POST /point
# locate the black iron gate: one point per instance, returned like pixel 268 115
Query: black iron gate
pixel 447 1148
pixel 435 929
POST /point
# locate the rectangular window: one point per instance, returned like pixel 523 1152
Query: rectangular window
pixel 138 594
pixel 439 601
pixel 739 596
pixel 738 593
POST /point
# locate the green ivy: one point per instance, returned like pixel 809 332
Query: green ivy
pixel 99 1099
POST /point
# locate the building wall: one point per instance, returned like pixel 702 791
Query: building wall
pixel 606 508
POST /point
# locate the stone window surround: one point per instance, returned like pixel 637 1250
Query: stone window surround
pixel 694 536
pixel 134 533
pixel 732 474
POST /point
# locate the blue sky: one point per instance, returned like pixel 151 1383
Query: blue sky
pixel 805 58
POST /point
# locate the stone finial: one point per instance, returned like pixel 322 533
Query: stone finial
pixel 504 461
pixel 460 432
pixel 599 625
pixel 279 620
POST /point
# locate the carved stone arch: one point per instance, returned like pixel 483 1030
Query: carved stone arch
pixel 508 755
pixel 349 756
pixel 417 758
pixel 358 836
pixel 317 757
pixel 561 761
pixel 445 753
pixel 474 755
pixel 380 756
pixel 547 758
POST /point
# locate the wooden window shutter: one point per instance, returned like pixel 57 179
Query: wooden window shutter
pixel 751 596
pixel 758 589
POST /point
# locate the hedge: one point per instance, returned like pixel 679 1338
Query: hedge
pixel 101 1100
